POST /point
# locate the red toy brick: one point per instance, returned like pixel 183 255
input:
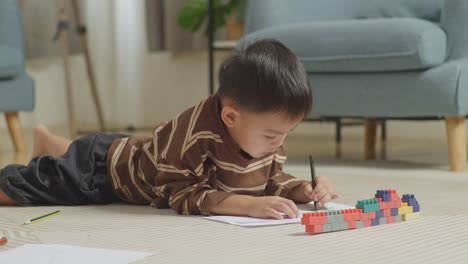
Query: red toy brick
pixel 314 229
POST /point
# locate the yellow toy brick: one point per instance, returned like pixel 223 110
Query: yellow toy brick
pixel 410 216
pixel 405 209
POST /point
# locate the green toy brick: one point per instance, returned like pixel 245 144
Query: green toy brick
pixel 368 205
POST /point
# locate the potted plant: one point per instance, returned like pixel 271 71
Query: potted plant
pixel 227 13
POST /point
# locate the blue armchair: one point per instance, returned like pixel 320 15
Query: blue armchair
pixel 377 58
pixel 16 87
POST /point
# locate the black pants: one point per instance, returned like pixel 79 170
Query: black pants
pixel 76 178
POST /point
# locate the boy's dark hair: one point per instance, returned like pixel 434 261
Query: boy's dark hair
pixel 266 76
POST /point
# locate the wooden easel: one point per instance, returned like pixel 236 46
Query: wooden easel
pixel 63 27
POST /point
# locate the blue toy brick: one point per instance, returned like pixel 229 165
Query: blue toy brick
pixel 383 194
pixel 379 214
pixel 375 221
pixel 415 208
pixel 394 211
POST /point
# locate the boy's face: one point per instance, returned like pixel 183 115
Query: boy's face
pixel 258 134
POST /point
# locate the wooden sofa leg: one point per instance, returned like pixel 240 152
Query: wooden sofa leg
pixel 16 131
pixel 456 139
pixel 370 139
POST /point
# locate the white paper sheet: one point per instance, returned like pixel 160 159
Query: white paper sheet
pixel 252 222
pixel 58 254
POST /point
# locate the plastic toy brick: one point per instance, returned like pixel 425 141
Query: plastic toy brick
pixel 327 228
pixel 314 229
pixel 336 226
pixel 386 212
pixel 405 209
pixel 397 218
pixel 383 221
pixel 375 221
pixel 367 223
pixel 368 205
pixel 385 208
pixel 379 214
pixel 316 218
pixel 411 216
pixel 359 224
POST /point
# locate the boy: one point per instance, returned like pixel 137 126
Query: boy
pixel 222 156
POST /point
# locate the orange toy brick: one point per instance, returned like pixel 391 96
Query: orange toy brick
pixel 314 229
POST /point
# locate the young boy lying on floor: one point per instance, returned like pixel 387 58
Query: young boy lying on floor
pixel 222 156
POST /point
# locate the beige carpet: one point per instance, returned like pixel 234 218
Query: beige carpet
pixel 440 236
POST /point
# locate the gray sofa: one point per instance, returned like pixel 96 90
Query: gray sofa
pixel 377 58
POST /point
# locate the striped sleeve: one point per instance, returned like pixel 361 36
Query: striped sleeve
pixel 280 183
pixel 188 188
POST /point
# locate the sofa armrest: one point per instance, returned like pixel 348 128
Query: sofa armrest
pixel 454 21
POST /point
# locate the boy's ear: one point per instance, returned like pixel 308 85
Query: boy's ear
pixel 230 116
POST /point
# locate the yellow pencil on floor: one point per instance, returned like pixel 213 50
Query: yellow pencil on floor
pixel 42 217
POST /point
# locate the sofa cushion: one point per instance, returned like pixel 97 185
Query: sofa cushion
pixel 10 62
pixel 366 45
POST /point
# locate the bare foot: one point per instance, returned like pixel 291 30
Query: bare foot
pixel 46 143
pixel 40 140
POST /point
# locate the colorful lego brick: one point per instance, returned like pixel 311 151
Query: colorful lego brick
pixel 410 216
pixel 409 199
pixel 394 211
pixel 316 218
pixel 405 209
pixel 368 205
pixel 383 221
pixel 347 215
pixel 379 214
pixel 375 221
pixel 384 195
pixel 367 223
pixel 360 224
pixel 314 229
pixel 352 225
pixel 415 208
pixel 397 218
pixel 327 228
pixel 390 219
pixel 336 226
pixel 344 225
pixel 386 212
pixel 334 216
pixel 397 203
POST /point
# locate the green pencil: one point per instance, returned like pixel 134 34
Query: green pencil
pixel 42 217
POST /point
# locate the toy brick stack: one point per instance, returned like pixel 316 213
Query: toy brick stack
pixel 386 208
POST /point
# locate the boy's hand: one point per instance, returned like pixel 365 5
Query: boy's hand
pixel 322 194
pixel 272 207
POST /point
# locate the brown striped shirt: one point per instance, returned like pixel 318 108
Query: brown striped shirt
pixel 192 163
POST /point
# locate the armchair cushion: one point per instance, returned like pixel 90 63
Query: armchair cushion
pixel 363 45
pixel 10 62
